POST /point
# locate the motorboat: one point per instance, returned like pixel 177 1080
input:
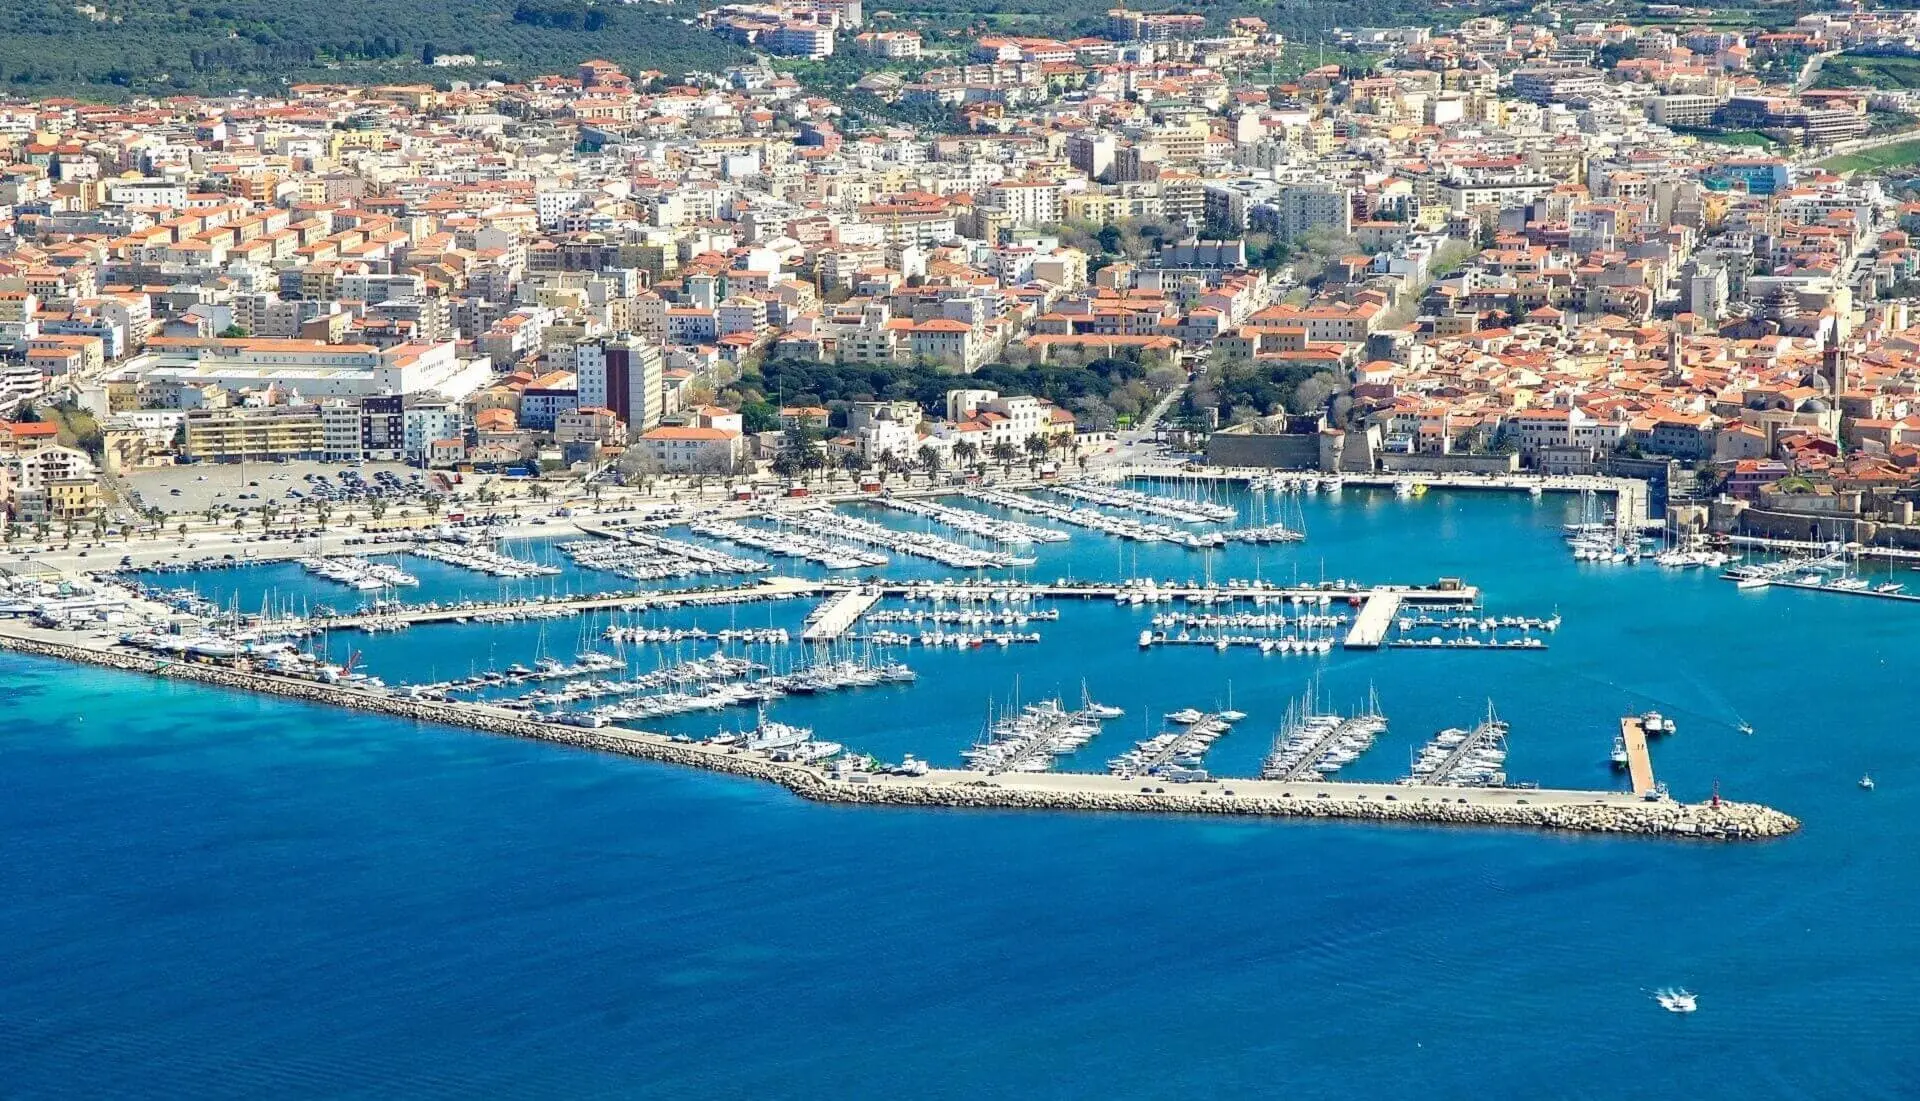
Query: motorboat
pixel 1866 783
pixel 1674 1000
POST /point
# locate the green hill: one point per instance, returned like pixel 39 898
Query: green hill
pixel 168 46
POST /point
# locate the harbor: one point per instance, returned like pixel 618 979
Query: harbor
pixel 686 654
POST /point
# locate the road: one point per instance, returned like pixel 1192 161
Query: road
pixel 1135 447
pixel 1858 145
pixel 1811 70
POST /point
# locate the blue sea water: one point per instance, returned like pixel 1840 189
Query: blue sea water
pixel 211 894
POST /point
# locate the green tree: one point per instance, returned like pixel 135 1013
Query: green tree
pixel 1005 453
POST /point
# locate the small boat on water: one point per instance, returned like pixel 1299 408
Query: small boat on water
pixel 1619 755
pixel 1674 1000
pixel 1745 727
pixel 1866 783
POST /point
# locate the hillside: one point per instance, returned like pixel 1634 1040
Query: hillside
pixel 161 46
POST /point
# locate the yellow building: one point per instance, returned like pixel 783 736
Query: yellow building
pixel 283 431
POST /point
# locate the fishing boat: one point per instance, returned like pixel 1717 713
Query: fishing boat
pixel 1619 755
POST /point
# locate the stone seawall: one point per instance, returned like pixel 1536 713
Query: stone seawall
pixel 1725 821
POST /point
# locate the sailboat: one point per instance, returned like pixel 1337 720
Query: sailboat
pixel 1097 710
pixel 1230 715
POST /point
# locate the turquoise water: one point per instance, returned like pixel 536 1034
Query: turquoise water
pixel 218 895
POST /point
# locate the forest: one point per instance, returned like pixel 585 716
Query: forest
pixel 163 47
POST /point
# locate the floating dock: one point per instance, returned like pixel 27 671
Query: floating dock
pixel 1639 763
pixel 837 616
pixel 1375 618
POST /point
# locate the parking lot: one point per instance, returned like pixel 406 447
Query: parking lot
pixel 201 486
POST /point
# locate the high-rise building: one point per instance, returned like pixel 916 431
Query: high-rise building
pixel 621 374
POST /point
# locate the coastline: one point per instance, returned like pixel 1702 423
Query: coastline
pixel 1564 811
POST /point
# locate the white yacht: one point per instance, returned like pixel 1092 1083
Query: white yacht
pixel 1186 716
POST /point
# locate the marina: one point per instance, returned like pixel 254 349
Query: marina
pixel 1131 500
pixel 479 559
pixel 1464 758
pixel 1179 754
pixel 1119 527
pixel 789 544
pixel 644 556
pixel 358 573
pixel 1314 744
pixel 1004 532
pixel 1243 606
pixel 1031 738
pixel 920 545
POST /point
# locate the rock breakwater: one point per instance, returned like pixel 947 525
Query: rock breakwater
pixel 1712 821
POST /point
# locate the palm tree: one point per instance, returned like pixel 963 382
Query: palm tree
pixel 377 507
pixel 886 464
pixel 540 491
pixel 100 525
pixel 323 512
pixel 966 451
pixel 929 461
pixel 182 530
pixel 1004 453
pixel 1037 448
pixel 853 464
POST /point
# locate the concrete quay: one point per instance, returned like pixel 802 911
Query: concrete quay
pixel 784 588
pixel 1575 811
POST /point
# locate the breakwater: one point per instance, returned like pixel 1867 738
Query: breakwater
pixel 1597 812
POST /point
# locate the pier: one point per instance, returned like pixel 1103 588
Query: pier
pixel 1639 763
pixel 1446 594
pixel 1376 616
pixel 836 616
pixel 1460 764
pixel 1307 766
